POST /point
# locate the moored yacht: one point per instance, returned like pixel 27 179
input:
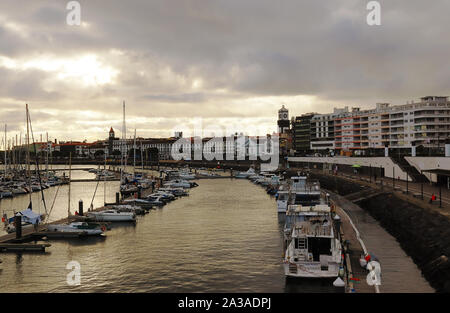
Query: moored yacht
pixel 313 249
pixel 77 227
pixel 247 174
pixel 112 215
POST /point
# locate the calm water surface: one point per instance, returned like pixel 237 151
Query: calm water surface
pixel 224 237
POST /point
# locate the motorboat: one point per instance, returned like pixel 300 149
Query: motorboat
pixel 313 249
pixel 138 210
pixel 177 183
pixel 178 192
pixel 111 215
pixel 282 200
pixel 187 176
pixel 246 174
pixel 78 227
pixel 139 202
pixel 156 200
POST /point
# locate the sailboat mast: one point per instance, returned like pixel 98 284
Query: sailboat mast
pixel 28 151
pixel 125 137
pixel 46 158
pixel 70 177
pixel 5 154
pixel 17 153
pixel 134 154
pixel 104 182
pixel 142 159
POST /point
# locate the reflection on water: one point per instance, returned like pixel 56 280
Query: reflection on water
pixel 224 237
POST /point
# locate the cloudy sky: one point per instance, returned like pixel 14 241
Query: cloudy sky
pixel 228 62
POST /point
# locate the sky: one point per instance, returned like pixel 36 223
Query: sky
pixel 226 63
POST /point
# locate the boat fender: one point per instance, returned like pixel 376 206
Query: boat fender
pixel 339 282
pixel 363 262
pixel 103 228
pixel 341 271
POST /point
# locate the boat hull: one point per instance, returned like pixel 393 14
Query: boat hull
pixel 68 229
pixel 309 270
pixel 112 217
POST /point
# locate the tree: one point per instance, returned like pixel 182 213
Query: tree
pixel 116 154
pixel 99 153
pixel 131 153
pixel 151 154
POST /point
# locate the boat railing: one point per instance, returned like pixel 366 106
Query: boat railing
pixel 309 229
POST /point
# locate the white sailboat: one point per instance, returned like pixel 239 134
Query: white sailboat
pixel 115 215
pixel 76 227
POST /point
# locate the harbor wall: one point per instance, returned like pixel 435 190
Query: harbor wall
pixel 423 234
pixel 389 167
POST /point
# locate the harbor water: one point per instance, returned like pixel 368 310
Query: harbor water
pixel 224 237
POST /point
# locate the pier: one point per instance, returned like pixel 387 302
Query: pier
pixel 9 242
pixel 353 248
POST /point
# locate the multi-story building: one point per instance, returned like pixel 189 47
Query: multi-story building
pixel 322 130
pixel 301 133
pixel 425 123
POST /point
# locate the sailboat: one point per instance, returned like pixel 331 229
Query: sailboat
pixel 28 217
pixel 113 214
pixel 76 227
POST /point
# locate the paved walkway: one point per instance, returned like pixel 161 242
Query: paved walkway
pixel 414 195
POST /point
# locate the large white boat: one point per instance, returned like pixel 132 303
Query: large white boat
pixel 313 249
pixel 112 216
pixel 298 191
pixel 77 227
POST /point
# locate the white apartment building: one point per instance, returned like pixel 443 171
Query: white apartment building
pixel 425 123
pixel 323 131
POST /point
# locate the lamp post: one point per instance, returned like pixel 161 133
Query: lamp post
pixel 421 184
pixel 407 183
pixel 393 177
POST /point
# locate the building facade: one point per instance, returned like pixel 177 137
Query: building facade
pixel 422 124
pixel 301 133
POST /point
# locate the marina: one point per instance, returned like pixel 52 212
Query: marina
pixel 224 155
pixel 200 208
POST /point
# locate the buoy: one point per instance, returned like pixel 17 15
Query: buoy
pixel 338 282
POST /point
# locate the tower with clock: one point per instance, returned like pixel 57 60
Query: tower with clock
pixel 283 120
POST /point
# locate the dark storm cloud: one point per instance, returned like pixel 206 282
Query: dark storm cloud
pixel 207 58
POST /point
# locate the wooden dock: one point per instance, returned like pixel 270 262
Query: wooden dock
pixel 85 180
pixel 21 247
pixel 31 234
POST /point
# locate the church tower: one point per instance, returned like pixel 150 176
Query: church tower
pixel 283 120
pixel 110 141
